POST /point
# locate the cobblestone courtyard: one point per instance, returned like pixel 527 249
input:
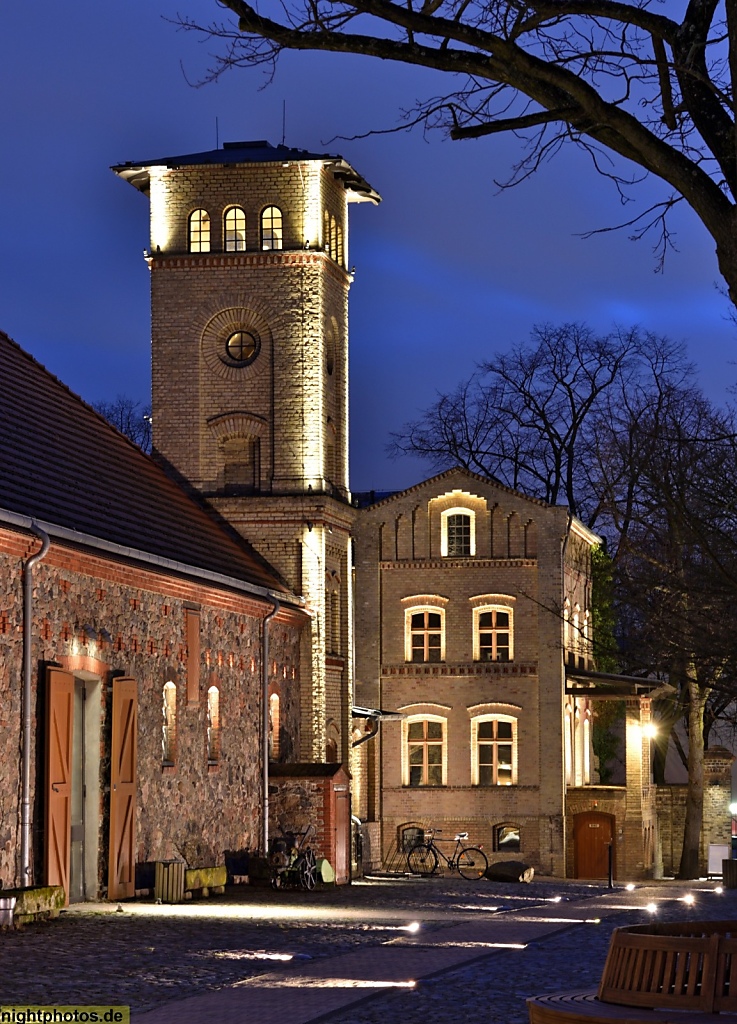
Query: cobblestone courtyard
pixel 149 956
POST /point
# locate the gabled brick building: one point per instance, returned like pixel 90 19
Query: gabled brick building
pixel 132 632
pixel 468 594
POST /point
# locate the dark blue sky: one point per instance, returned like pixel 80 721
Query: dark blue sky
pixel 448 270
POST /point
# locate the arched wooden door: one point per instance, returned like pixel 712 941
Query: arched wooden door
pixel 593 833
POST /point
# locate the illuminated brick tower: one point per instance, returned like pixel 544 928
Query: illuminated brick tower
pixel 249 296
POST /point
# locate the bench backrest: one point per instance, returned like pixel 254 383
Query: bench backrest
pixel 693 969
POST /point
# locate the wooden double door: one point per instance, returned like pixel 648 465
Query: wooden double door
pixel 72 786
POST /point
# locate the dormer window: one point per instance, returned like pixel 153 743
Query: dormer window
pixel 199 231
pixel 458 533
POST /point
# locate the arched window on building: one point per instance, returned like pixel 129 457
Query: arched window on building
pixel 169 725
pixel 213 725
pixel 235 230
pixel 272 236
pixel 340 254
pixel 199 231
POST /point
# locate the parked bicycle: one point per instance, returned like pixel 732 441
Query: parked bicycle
pixel 423 858
pixel 291 860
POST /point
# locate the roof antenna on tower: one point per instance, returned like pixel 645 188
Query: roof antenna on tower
pixel 217 134
pixel 283 121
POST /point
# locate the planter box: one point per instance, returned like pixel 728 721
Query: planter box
pixel 33 903
pixel 206 880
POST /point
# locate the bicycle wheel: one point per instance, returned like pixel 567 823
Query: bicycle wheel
pixel 472 863
pixel 308 871
pixel 422 860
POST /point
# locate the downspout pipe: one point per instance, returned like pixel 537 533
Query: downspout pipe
pixel 265 721
pixel 25 800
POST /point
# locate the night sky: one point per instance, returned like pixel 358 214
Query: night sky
pixel 448 269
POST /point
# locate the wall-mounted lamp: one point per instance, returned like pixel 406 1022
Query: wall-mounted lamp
pixel 309 527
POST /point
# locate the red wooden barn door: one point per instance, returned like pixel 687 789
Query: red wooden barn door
pixel 123 790
pixel 58 782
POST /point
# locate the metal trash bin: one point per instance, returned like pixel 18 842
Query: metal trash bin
pixel 169 881
pixel 7 911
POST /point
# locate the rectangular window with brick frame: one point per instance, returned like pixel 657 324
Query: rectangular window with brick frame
pixel 425 752
pixel 494 751
pixel 426 635
pixel 493 633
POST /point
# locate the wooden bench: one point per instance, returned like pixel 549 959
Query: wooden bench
pixel 655 968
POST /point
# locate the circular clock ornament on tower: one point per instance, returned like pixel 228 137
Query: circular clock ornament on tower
pixel 241 348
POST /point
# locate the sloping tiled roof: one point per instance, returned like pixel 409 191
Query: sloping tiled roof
pixel 62 463
pixel 359 190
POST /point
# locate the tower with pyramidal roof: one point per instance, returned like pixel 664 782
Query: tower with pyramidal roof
pixel 249 298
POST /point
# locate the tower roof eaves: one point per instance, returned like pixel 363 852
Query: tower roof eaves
pixel 257 152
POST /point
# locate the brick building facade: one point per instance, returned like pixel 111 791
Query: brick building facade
pixel 467 594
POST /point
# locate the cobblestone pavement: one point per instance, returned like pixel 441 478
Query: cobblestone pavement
pixel 149 956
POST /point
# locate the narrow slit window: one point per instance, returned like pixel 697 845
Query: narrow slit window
pixel 169 725
pixel 213 725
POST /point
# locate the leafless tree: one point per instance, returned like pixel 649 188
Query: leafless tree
pixel 130 417
pixel 676 561
pixel 617 428
pixel 535 417
pixel 655 87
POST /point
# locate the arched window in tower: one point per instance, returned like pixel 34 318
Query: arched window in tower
pixel 272 236
pixel 274 726
pixel 235 230
pixel 332 744
pixel 169 725
pixel 335 620
pixel 199 231
pixel 213 725
pixel 340 253
pixel 330 450
pixel 326 233
pixel 333 238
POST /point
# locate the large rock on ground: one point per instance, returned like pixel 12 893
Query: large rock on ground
pixel 510 871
